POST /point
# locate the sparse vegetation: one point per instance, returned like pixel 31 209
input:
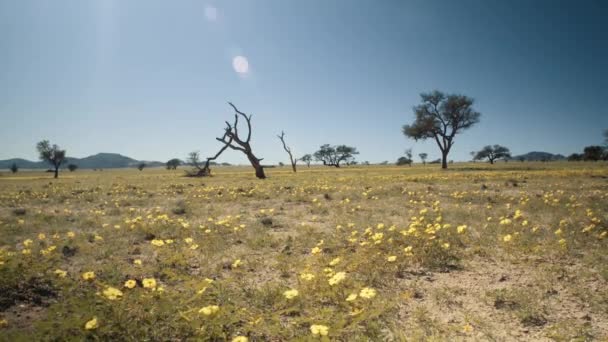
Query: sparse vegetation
pixel 516 252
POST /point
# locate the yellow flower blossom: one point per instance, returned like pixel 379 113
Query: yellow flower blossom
pixel 61 273
pixel 92 324
pixel 367 293
pixel 209 310
pixel 112 293
pixel 149 283
pixel 130 283
pixel 290 294
pixel 337 278
pixel 88 275
pixel 318 329
pixel 157 242
pixel 335 261
pixel 307 276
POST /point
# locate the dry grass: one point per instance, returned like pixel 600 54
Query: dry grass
pixel 514 251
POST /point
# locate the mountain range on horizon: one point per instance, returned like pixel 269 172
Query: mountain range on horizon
pixel 116 160
pixel 96 161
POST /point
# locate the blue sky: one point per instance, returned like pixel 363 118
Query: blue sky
pixel 150 79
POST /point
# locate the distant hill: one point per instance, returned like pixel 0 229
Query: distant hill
pixel 97 161
pixel 539 156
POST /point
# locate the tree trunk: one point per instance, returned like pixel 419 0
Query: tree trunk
pixel 56 171
pixel 491 161
pixel 293 167
pixel 259 169
pixel 444 159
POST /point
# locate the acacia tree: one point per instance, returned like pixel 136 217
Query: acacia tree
pixel 232 139
pixel 334 155
pixel 593 153
pixel 72 167
pixel 307 158
pixel 423 157
pixel 441 116
pixel 288 150
pixel 14 168
pixel 492 153
pixel 51 154
pixel 141 166
pixel 172 164
pixel 407 159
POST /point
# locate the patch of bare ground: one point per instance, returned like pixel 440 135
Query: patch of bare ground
pixel 500 301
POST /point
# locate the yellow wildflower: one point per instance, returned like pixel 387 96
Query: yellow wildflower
pixel 130 283
pixel 61 273
pixel 112 293
pixel 209 310
pixel 337 278
pixel 88 275
pixel 289 294
pixel 367 293
pixel 149 283
pixel 318 329
pixel 157 242
pixel 307 276
pixel 92 324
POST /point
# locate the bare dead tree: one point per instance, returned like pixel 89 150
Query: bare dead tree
pixel 232 139
pixel 288 150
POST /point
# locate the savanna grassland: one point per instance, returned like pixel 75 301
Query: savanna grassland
pixel 513 251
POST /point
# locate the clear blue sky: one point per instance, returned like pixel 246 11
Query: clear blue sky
pixel 150 79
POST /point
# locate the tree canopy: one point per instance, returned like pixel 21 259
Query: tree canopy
pixel 51 154
pixel 172 164
pixel 307 158
pixel 441 116
pixel 334 155
pixel 491 153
